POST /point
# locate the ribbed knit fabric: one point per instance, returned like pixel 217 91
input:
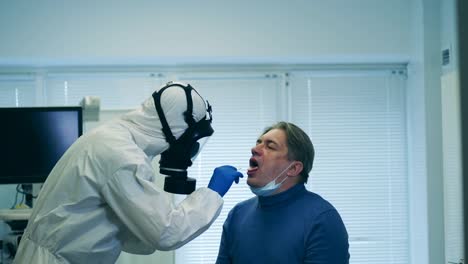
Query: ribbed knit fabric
pixel 295 226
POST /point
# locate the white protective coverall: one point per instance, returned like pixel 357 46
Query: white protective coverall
pixel 100 198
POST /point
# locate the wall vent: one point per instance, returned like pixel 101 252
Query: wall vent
pixel 446 57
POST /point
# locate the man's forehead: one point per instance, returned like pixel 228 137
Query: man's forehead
pixel 276 135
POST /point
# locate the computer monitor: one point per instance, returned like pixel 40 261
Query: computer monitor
pixel 33 139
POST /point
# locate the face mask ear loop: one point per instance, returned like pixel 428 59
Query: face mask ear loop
pixel 283 172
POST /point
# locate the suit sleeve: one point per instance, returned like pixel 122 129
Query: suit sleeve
pixel 150 214
pixel 327 241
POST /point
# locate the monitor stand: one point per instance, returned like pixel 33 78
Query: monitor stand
pixel 28 190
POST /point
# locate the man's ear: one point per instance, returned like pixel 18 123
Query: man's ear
pixel 295 169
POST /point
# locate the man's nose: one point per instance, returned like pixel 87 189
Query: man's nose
pixel 256 150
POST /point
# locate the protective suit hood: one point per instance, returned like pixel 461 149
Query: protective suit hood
pixel 146 128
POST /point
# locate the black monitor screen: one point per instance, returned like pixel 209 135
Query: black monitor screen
pixel 32 140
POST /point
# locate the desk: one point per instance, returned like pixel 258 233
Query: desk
pixel 17 219
pixel 14 214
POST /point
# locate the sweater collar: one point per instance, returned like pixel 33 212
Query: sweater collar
pixel 282 197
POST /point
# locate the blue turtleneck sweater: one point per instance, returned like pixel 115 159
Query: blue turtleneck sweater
pixel 295 226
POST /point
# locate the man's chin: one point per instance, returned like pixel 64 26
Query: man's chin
pixel 249 182
pixel 252 183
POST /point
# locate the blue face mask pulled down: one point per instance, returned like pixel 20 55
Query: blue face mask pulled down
pixel 270 187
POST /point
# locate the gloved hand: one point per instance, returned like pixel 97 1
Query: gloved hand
pixel 222 179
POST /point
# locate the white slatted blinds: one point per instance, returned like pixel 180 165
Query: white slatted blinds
pixel 116 90
pixel 17 91
pixel 242 107
pixel 356 121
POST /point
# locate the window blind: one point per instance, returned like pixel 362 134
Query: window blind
pixel 117 91
pixel 17 91
pixel 243 106
pixel 356 120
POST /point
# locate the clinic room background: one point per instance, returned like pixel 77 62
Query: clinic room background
pixel 373 83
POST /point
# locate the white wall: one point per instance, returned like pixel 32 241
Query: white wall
pixel 448 31
pixel 155 32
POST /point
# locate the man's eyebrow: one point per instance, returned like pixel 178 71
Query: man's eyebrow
pixel 267 141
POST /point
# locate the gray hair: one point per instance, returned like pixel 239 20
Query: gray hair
pixel 300 146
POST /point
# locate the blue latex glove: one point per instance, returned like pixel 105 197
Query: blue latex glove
pixel 222 179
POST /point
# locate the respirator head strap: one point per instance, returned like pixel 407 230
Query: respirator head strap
pixel 188 115
pixel 165 126
pixel 208 110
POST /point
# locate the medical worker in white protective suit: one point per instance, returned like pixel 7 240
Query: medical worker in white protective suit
pixel 100 198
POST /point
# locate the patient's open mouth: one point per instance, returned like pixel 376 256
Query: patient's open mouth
pixel 253 163
pixel 253 166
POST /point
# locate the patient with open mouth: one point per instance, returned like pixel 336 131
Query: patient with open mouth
pixel 284 222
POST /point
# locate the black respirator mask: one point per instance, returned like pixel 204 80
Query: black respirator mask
pixel 175 160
